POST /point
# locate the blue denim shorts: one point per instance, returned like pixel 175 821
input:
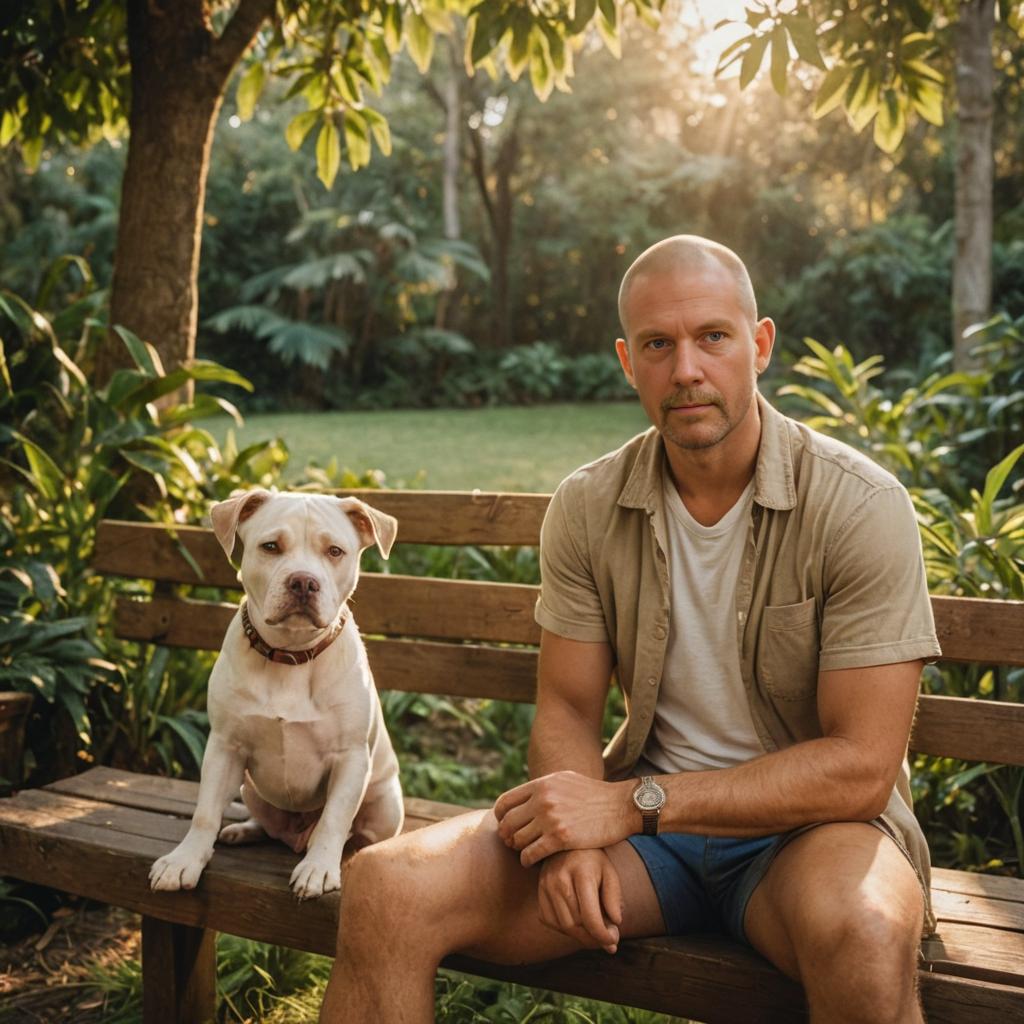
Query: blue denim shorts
pixel 704 883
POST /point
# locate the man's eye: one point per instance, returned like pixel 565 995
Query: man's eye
pixel 657 344
pixel 270 545
pixel 334 551
pixel 715 336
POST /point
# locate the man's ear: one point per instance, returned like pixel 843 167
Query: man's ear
pixel 622 351
pixel 372 525
pixel 226 515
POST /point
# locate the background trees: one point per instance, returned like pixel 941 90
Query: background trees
pixel 71 72
pixel 889 62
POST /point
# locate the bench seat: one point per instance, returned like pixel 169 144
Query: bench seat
pixel 96 835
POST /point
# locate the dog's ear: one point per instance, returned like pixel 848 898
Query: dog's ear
pixel 226 515
pixel 372 525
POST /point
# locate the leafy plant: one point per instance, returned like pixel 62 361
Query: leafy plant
pixel 71 455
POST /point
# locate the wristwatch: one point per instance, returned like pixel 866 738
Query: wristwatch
pixel 649 798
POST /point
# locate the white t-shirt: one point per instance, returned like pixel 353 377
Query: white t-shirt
pixel 702 718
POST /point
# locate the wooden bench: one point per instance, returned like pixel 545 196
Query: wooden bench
pixel 96 834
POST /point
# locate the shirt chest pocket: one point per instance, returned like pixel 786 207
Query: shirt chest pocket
pixel 788 648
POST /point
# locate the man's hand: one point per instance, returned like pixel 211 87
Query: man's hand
pixel 564 811
pixel 579 895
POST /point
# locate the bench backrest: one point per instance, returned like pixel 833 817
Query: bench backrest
pixel 452 637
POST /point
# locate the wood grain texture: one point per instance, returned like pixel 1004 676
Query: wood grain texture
pixel 978 629
pixel 179 973
pixel 90 836
pixel 974 730
pixel 461 517
pixel 387 605
pixel 155 551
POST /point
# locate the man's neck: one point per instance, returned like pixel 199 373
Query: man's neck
pixel 711 480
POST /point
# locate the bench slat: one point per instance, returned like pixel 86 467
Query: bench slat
pixel 960 909
pixel 980 629
pixel 178 796
pixel 970 883
pixel 973 730
pixel 415 666
pixel 437 609
pixel 969 629
pixel 151 550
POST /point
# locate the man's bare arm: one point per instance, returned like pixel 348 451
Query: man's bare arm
pixel 847 775
pixel 572 685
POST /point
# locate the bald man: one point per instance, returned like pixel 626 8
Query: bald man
pixel 759 591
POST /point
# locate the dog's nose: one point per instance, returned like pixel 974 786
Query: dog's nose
pixel 302 584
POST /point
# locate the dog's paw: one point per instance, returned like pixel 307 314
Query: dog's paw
pixel 239 832
pixel 176 871
pixel 313 877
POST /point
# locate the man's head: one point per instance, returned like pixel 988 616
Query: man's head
pixel 693 345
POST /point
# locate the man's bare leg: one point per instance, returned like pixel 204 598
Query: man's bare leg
pixel 409 902
pixel 841 911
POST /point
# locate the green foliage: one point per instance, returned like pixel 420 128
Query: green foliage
pixel 71 455
pixel 881 61
pixel 54 90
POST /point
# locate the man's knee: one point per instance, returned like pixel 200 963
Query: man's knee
pixel 862 951
pixel 378 897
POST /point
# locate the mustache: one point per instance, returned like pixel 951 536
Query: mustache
pixel 690 398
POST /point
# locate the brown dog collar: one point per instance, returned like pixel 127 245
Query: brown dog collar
pixel 279 654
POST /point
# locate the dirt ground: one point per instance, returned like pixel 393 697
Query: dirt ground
pixel 43 978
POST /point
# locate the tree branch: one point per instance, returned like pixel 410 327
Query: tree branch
pixel 240 31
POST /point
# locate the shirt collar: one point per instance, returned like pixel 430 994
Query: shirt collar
pixel 774 485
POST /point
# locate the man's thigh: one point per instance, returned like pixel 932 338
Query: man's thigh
pixel 821 881
pixel 471 893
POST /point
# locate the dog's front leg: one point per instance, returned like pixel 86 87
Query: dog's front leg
pixel 223 766
pixel 320 870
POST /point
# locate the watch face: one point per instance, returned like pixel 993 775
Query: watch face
pixel 649 796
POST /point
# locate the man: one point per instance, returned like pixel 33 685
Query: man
pixel 760 591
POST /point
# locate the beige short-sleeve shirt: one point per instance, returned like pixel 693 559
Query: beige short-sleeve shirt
pixel 832 577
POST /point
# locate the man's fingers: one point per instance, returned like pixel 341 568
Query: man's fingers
pixel 611 893
pixel 590 913
pixel 566 911
pixel 513 798
pixel 535 852
pixel 515 818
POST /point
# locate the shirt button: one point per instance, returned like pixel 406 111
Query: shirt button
pixel 742 616
pixel 659 632
pixel 652 681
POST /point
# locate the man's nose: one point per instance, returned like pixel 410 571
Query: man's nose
pixel 686 367
pixel 302 584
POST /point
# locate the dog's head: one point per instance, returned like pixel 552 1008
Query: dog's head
pixel 300 552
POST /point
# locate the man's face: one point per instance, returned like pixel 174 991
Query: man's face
pixel 693 354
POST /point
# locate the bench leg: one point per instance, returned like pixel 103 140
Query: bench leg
pixel 179 973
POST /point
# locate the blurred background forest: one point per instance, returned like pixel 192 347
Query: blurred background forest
pixel 367 295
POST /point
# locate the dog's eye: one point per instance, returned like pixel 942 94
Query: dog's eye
pixel 270 545
pixel 334 551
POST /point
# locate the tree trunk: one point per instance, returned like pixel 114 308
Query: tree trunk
pixel 180 69
pixel 451 100
pixel 972 262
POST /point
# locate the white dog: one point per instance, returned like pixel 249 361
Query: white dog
pixel 293 710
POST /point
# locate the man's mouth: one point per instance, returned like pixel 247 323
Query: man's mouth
pixel 688 405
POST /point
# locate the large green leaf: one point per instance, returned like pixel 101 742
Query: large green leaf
pixel 328 153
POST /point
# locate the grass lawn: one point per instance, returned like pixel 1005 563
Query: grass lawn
pixel 500 449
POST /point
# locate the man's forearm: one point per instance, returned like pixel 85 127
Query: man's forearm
pixel 562 740
pixel 826 779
